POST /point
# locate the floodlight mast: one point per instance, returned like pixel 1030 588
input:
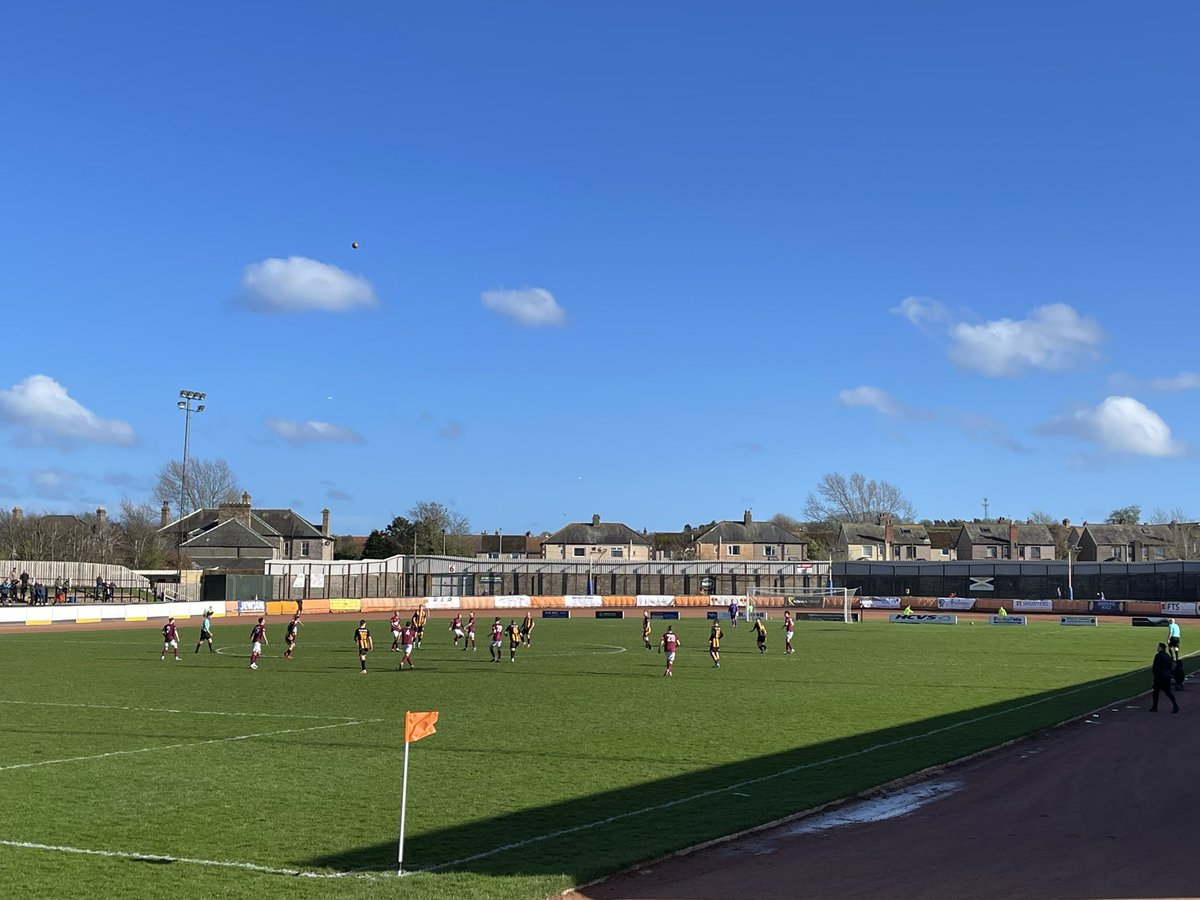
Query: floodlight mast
pixel 185 403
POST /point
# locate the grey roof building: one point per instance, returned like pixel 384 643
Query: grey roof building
pixel 747 539
pixel 1004 540
pixel 235 536
pixel 609 540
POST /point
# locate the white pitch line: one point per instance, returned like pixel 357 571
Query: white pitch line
pixel 160 858
pixel 886 745
pixel 154 709
pixel 225 740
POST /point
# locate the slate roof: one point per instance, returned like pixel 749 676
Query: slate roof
pixel 862 533
pixel 604 533
pixel 943 538
pixel 754 533
pixel 1124 535
pixel 997 533
pixel 269 522
pixel 232 533
pixel 242 564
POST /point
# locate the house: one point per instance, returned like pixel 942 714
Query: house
pixel 883 542
pixel 1128 543
pixel 943 543
pixel 236 537
pixel 1004 540
pixel 597 541
pixel 748 540
pixel 505 546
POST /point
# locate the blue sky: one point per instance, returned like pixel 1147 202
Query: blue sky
pixel 659 261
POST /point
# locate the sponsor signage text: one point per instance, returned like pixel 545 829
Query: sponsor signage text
pixel 1078 620
pixel 923 618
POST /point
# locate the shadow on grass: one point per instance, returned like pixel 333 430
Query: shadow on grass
pixel 591 836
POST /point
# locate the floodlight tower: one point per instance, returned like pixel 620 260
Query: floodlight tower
pixel 185 403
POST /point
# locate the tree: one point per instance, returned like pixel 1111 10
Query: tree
pixel 428 527
pixel 346 547
pixel 209 483
pixel 1125 515
pixel 395 539
pixel 139 544
pixel 855 499
pixel 1181 535
pixel 437 526
pixel 1041 517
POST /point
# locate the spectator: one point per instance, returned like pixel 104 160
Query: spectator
pixel 99 588
pixel 58 590
pixel 24 585
pixel 110 592
pixel 4 589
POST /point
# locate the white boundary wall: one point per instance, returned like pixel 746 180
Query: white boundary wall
pixel 96 612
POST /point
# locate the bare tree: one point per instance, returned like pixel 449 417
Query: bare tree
pixel 1181 541
pixel 436 525
pixel 1125 515
pixel 1041 517
pixel 139 545
pixel 855 499
pixel 209 482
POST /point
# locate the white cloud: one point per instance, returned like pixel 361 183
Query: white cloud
pixel 1184 381
pixel 1053 338
pixel 299 284
pixel 532 307
pixel 310 432
pixel 923 312
pixel 873 397
pixel 45 413
pixel 978 428
pixel 1120 425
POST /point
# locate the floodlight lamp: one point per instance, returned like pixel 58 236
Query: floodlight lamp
pixel 200 408
pixel 181 405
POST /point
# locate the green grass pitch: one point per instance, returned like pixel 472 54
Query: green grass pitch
pixel 578 760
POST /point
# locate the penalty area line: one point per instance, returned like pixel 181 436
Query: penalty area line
pixel 782 773
pixel 224 740
pixel 161 858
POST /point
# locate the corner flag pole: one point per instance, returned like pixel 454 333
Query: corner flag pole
pixel 416 726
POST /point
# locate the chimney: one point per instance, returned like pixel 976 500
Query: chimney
pixel 1012 540
pixel 101 516
pixel 325 521
pixel 889 534
pixel 746 518
pixel 596 520
pixel 235 510
pixel 165 515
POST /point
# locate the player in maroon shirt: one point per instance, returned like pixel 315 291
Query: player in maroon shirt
pixel 669 644
pixel 170 639
pixel 456 627
pixel 497 639
pixel 789 629
pixel 258 638
pixel 395 632
pixel 408 636
pixel 470 633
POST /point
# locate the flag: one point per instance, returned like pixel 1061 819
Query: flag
pixel 419 725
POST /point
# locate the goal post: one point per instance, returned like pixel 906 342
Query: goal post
pixel 825 602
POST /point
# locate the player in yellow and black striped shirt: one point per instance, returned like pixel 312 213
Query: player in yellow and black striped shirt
pixel 714 644
pixel 760 634
pixel 646 632
pixel 514 640
pixel 362 640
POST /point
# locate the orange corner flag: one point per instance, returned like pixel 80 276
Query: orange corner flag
pixel 419 725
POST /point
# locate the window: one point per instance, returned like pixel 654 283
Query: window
pixel 989 552
pixel 945 551
pixel 304 548
pixel 1158 552
pixel 1035 552
pixel 617 552
pixel 769 553
pixel 578 551
pixel 910 552
pixel 868 552
pixel 493 555
pixel 734 549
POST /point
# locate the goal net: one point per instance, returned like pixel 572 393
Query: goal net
pixel 831 603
